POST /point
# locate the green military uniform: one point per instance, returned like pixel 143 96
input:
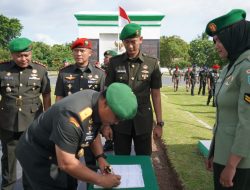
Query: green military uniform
pixel 72 124
pixel 230 145
pixel 141 74
pixel 19 106
pixel 72 79
pixel 175 78
pixel 193 78
pixel 231 133
pixel 203 81
pixel 213 76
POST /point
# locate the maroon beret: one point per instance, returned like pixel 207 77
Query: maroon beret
pixel 82 43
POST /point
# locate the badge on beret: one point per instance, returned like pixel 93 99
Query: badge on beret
pixel 247 97
pixel 137 32
pixel 212 27
pixel 86 43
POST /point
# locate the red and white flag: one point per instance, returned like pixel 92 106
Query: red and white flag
pixel 123 17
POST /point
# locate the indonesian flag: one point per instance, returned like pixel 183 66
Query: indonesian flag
pixel 123 17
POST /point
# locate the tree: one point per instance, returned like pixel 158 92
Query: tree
pixel 202 52
pixel 173 51
pixel 9 29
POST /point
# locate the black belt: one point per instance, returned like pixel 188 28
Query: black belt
pixel 21 101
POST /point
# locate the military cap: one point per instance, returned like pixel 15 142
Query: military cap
pixel 222 22
pixel 82 42
pixel 20 45
pixel 131 30
pixel 121 100
pixel 110 52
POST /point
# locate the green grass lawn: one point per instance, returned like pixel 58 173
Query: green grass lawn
pixel 182 132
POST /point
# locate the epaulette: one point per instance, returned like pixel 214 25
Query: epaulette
pixel 99 68
pixel 39 63
pixel 5 61
pixel 61 68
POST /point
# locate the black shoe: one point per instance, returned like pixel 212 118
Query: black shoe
pixel 108 146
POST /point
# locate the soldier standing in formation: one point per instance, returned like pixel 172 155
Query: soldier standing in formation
pixel 211 82
pixel 79 76
pixel 176 77
pixel 203 80
pixel 107 55
pixel 187 78
pixel 22 82
pixel 193 77
pixel 142 74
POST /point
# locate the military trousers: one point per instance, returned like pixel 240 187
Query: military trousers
pixel 241 179
pixel 9 142
pixel 123 143
pixel 202 87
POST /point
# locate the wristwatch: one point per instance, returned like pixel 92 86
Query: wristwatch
pixel 160 123
pixel 101 155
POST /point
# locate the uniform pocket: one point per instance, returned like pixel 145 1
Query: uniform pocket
pixel 229 130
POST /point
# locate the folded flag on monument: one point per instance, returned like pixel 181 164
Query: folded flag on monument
pixel 123 17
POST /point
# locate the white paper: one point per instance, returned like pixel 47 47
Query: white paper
pixel 131 176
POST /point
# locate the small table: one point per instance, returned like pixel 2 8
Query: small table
pixel 148 173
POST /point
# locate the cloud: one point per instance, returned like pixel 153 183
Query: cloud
pixel 185 18
pixel 44 38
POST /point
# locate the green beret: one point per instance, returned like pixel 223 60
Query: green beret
pixel 131 30
pixel 110 52
pixel 220 23
pixel 121 100
pixel 20 45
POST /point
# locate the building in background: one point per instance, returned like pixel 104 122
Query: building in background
pixel 102 28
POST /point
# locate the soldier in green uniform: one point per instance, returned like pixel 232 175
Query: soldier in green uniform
pixel 22 82
pixel 229 154
pixel 193 78
pixel 202 78
pixel 107 55
pixel 50 149
pixel 176 77
pixel 141 72
pixel 187 78
pixel 212 78
pixel 81 75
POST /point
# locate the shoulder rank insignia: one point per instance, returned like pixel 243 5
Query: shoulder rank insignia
pixel 96 66
pixel 70 77
pixel 85 113
pixel 63 67
pixel 4 62
pixel 39 63
pixel 247 98
pixel 74 122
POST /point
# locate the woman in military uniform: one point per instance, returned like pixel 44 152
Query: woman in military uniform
pixel 229 154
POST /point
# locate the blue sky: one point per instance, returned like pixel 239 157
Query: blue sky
pixel 54 22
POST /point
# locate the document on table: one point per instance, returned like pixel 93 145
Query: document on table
pixel 131 176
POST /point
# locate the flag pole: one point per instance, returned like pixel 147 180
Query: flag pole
pixel 118 45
